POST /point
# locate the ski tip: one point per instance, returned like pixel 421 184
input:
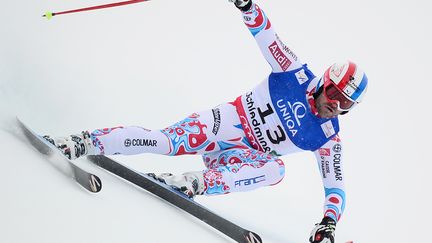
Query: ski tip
pixel 252 237
pixel 48 15
pixel 18 120
pixel 95 183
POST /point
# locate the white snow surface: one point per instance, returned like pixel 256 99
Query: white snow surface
pixel 152 64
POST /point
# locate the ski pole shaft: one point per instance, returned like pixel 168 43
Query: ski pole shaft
pixel 49 15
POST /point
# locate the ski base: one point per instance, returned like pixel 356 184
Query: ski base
pixel 177 199
pixel 87 180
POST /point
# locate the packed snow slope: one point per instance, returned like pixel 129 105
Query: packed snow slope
pixel 152 64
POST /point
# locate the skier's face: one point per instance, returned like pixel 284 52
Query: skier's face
pixel 335 95
pixel 326 108
pixel 332 101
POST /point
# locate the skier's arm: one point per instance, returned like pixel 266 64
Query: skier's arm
pixel 329 158
pixel 277 54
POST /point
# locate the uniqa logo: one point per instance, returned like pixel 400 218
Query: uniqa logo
pixel 292 114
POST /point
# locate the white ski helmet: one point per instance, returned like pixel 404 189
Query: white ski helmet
pixel 350 80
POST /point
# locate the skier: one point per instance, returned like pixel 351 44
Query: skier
pixel 241 141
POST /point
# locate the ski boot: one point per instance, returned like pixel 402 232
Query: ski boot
pixel 73 146
pixel 189 183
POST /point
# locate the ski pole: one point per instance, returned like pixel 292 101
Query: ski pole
pixel 49 15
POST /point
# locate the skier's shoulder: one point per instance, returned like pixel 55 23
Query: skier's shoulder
pixel 296 72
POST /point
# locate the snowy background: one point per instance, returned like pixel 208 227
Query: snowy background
pixel 154 63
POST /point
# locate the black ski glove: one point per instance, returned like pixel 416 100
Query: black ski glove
pixel 323 232
pixel 243 5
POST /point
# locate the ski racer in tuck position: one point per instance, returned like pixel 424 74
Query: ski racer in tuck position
pixel 241 141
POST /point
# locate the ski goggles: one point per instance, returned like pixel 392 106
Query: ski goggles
pixel 334 94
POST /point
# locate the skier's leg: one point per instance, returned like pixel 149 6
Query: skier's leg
pixel 203 132
pixel 235 170
pixel 129 140
pixel 242 170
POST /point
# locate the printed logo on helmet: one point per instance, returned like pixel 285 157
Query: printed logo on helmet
pixel 351 83
pixel 337 70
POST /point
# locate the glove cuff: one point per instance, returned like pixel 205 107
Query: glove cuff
pixel 328 221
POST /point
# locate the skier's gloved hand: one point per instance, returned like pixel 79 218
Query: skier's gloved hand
pixel 243 5
pixel 323 232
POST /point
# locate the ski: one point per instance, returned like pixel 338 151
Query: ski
pixel 177 199
pixel 87 180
